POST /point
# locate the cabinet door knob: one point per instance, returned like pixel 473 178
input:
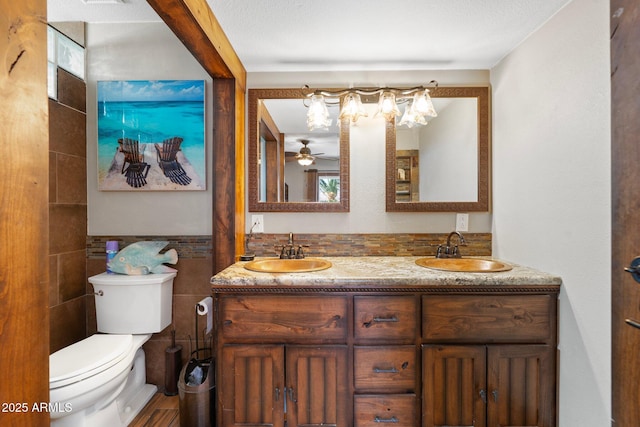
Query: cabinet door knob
pixel 483 396
pixel 292 395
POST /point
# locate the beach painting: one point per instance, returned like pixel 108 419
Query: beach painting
pixel 151 135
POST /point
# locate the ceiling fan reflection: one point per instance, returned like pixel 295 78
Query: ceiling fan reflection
pixel 305 157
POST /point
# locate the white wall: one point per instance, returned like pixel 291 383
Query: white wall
pixel 551 186
pixel 367 166
pixel 141 52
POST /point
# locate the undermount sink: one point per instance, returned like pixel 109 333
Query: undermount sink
pixel 466 265
pixel 277 265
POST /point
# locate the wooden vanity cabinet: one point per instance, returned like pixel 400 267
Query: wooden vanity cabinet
pixel 467 381
pixel 284 358
pixel 501 385
pixel 410 357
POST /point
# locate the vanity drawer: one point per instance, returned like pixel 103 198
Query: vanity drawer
pixel 488 318
pixel 388 318
pixel 375 410
pixel 284 318
pixel 387 369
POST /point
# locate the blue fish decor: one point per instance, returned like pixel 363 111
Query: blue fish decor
pixel 144 258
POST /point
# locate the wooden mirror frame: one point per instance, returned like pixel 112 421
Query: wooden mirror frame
pixel 481 93
pixel 255 95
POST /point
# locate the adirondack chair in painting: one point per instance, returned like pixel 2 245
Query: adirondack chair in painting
pixel 134 167
pixel 168 162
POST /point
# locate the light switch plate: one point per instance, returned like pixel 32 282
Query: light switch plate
pixel 462 222
pixel 257 224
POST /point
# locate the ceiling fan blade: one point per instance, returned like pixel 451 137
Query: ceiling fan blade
pixel 329 158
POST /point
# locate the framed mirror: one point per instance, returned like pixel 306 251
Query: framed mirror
pixel 292 169
pixel 442 166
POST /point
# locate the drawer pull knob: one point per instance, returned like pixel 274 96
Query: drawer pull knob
pixel 392 319
pixel 393 419
pixel 385 371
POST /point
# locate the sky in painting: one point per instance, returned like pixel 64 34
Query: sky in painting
pixel 151 90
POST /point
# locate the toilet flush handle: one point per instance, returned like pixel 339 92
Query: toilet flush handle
pixel 99 293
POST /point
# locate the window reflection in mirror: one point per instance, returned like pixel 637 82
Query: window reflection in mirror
pixel 292 169
pixel 442 166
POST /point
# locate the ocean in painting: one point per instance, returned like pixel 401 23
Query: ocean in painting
pixel 150 117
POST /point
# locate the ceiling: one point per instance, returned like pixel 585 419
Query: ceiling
pixel 351 35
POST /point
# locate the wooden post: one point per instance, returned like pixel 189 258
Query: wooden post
pixel 24 214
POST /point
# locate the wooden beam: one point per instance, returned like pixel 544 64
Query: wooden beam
pixel 224 174
pixel 240 120
pixel 24 213
pixel 193 22
pixel 195 25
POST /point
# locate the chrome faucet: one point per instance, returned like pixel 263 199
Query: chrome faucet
pixel 448 251
pixel 289 250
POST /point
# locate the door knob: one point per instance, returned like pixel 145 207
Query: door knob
pixel 633 323
pixel 634 269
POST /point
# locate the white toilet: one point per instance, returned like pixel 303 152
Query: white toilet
pixel 101 380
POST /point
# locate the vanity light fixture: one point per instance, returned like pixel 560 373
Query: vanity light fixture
pixel 318 114
pixel 387 105
pixel 419 104
pixel 352 108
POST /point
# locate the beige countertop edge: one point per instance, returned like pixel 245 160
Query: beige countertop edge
pixel 349 272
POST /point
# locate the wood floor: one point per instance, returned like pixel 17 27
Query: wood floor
pixel 161 411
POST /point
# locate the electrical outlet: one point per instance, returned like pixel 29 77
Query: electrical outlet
pixel 257 224
pixel 462 222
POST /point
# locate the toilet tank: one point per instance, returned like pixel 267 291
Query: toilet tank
pixel 133 304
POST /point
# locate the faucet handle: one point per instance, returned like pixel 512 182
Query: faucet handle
pixel 283 252
pixel 456 253
pixel 300 252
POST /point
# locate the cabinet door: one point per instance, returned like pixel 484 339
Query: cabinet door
pixel 521 387
pixel 454 391
pixel 252 386
pixel 317 392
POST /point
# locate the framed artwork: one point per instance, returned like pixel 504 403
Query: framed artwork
pixel 151 135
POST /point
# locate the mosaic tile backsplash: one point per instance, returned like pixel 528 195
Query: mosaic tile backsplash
pixel 269 244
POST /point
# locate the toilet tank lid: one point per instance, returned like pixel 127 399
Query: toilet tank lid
pixel 87 357
pixel 127 280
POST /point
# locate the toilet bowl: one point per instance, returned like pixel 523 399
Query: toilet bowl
pixel 101 380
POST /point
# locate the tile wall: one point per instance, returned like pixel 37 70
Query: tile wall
pixel 67 212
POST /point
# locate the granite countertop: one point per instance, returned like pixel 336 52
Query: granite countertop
pixel 383 272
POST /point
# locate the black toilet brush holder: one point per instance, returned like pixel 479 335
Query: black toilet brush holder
pixel 173 364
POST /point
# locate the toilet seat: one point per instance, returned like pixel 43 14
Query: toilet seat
pixel 88 357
